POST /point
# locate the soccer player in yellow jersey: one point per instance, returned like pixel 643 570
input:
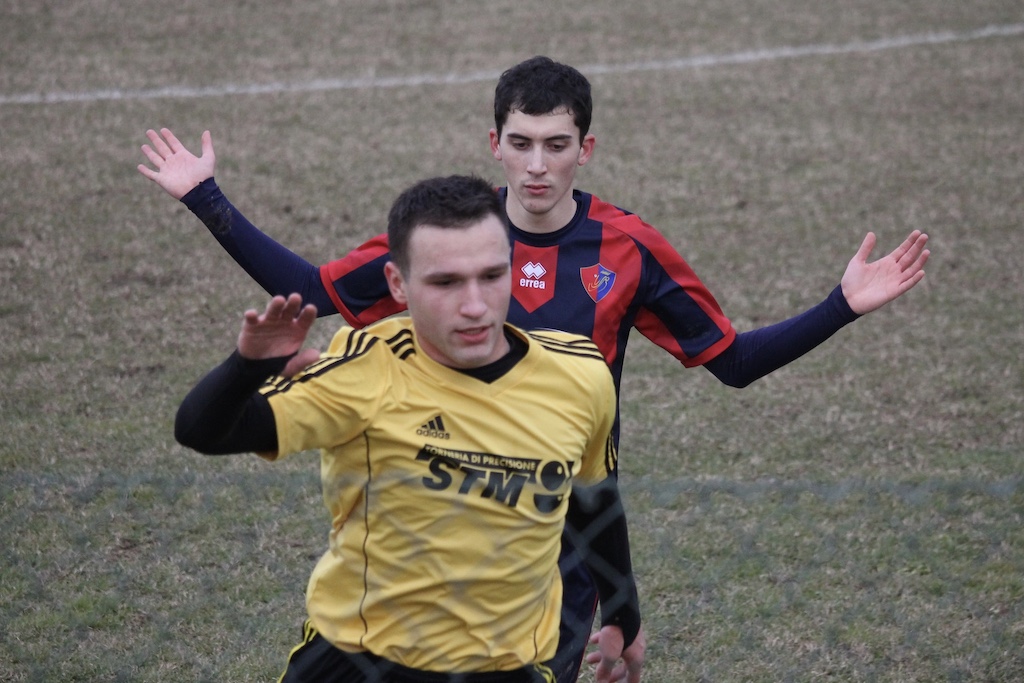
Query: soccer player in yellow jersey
pixel 454 449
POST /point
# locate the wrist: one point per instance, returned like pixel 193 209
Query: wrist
pixel 626 617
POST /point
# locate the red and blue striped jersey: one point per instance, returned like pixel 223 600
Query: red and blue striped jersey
pixel 601 275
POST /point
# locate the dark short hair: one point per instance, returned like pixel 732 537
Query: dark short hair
pixel 455 201
pixel 541 86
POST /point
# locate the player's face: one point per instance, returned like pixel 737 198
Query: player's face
pixel 540 155
pixel 457 289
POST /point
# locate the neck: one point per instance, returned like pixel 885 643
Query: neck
pixel 541 223
pixel 497 369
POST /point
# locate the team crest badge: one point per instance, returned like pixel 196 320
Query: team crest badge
pixel 597 280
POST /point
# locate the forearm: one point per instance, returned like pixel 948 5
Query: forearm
pixel 596 525
pixel 757 353
pixel 224 413
pixel 275 268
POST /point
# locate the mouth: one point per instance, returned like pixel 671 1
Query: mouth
pixel 535 188
pixel 474 335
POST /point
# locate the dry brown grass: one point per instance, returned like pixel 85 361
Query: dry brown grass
pixel 854 517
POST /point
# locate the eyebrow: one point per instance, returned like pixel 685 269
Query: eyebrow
pixel 559 136
pixel 486 270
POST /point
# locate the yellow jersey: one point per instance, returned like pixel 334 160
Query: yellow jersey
pixel 447 494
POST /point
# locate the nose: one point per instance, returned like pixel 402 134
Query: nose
pixel 536 161
pixel 473 304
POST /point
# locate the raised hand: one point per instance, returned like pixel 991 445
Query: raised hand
pixel 868 286
pixel 613 663
pixel 279 331
pixel 177 170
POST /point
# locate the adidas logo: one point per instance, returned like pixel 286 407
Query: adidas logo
pixel 434 429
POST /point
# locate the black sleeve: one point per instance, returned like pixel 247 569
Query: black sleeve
pixel 596 525
pixel 274 267
pixel 757 353
pixel 224 413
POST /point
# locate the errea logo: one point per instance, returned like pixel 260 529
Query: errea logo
pixel 434 429
pixel 534 270
pixel 537 269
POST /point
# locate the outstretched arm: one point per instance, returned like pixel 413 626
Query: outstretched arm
pixel 189 179
pixel 869 286
pixel 865 287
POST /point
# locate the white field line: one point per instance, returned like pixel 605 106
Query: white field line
pixel 368 82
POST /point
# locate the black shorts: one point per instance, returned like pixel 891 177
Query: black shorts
pixel 317 661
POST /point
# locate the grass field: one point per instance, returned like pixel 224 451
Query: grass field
pixel 856 516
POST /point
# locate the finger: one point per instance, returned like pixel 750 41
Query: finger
pixel 274 308
pixel 906 245
pixel 613 673
pixel 307 316
pixel 207 144
pixel 291 306
pixel 911 238
pixel 158 143
pixel 911 269
pixel 913 250
pixel 909 283
pixel 155 158
pixel 147 171
pixel 303 359
pixel 173 142
pixel 866 247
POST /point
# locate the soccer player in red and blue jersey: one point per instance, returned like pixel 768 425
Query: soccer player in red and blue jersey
pixel 580 264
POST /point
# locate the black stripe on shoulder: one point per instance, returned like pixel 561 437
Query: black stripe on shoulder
pixel 401 344
pixel 359 343
pixel 574 346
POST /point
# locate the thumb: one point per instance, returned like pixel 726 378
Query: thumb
pixel 301 360
pixel 866 247
pixel 208 145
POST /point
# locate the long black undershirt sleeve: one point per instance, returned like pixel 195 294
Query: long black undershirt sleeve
pixel 757 353
pixel 274 267
pixel 224 413
pixel 596 524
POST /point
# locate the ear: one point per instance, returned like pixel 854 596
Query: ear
pixel 586 149
pixel 396 283
pixel 495 144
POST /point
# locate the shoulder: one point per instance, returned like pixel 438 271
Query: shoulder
pixel 395 334
pixel 623 221
pixel 574 354
pixel 379 344
pixel 573 370
pixel 567 343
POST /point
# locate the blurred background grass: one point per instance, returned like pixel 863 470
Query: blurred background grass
pixel 855 516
